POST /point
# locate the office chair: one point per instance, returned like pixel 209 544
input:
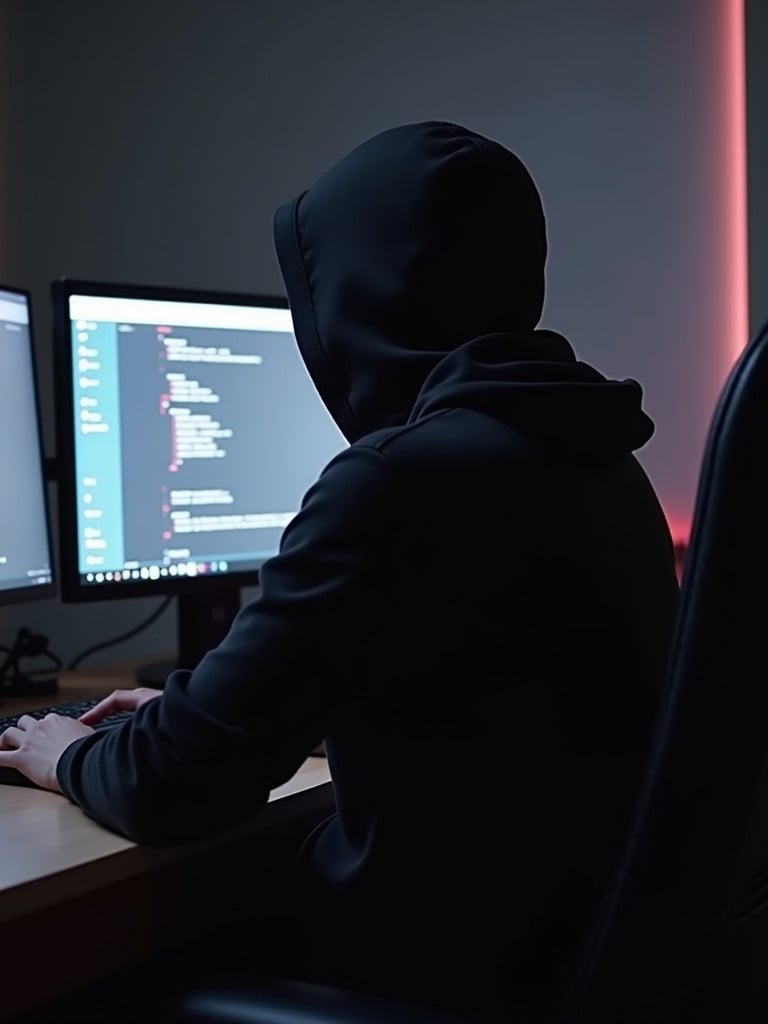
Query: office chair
pixel 672 943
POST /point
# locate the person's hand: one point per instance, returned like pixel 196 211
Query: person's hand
pixel 119 700
pixel 33 746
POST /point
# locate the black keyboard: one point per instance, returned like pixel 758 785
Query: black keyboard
pixel 9 776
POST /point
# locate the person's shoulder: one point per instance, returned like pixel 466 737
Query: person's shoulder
pixel 453 434
pixel 431 429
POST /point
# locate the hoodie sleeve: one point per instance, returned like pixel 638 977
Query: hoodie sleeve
pixel 206 754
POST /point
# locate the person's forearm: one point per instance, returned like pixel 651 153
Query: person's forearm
pixel 137 781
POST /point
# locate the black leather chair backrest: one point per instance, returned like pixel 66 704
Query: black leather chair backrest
pixel 666 914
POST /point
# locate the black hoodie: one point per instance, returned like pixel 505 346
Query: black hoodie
pixel 472 606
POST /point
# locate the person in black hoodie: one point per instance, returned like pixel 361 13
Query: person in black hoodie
pixel 472 607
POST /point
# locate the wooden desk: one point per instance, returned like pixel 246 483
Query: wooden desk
pixel 77 900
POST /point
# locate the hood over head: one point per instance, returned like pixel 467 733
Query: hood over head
pixel 414 269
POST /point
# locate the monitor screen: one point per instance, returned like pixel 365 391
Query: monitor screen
pixel 192 430
pixel 25 550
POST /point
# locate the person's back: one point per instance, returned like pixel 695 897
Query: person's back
pixel 485 776
pixel 472 607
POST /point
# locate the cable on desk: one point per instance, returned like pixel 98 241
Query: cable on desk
pixel 75 662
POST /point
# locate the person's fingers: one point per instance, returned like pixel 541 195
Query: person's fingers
pixel 25 721
pixel 8 757
pixel 119 700
pixel 11 738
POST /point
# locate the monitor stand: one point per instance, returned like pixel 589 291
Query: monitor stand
pixel 203 620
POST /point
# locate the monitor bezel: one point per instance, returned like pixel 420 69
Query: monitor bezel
pixel 39 591
pixel 71 588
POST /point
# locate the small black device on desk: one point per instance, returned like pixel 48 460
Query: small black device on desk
pixel 17 683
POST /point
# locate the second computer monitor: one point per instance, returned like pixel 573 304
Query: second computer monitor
pixel 26 569
pixel 189 432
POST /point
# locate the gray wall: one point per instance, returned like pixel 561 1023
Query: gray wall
pixel 151 141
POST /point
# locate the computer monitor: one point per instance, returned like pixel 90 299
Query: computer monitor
pixel 189 430
pixel 26 564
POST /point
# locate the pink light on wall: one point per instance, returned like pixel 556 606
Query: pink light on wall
pixel 729 117
pixel 735 228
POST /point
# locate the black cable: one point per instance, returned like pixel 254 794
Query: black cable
pixel 119 639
